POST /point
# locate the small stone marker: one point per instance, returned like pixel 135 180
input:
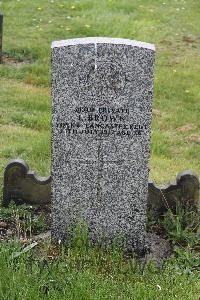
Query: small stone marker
pixel 102 100
pixel 1 37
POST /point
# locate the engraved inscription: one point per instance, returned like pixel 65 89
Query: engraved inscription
pixel 101 122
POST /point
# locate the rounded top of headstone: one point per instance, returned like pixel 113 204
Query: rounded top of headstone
pixel 102 40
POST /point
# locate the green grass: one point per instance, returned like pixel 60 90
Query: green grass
pixel 25 132
pixel 31 26
pixel 82 271
pixel 60 280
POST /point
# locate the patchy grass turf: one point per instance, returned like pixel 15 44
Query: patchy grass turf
pixel 31 26
pixel 40 270
pixel 89 274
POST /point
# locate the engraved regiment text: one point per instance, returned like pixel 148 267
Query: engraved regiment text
pixel 101 121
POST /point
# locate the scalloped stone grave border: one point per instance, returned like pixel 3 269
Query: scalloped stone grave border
pixel 24 186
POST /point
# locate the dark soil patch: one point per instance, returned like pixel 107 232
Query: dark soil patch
pixel 13 61
pixel 23 222
pixel 16 59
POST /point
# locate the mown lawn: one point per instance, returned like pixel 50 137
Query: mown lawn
pixel 91 274
pixel 25 130
pixel 41 270
pixel 31 26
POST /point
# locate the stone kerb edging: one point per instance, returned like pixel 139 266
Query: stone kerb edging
pixel 24 186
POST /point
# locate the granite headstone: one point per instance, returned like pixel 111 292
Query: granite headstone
pixel 101 117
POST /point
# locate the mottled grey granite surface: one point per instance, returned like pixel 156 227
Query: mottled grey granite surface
pixel 101 117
